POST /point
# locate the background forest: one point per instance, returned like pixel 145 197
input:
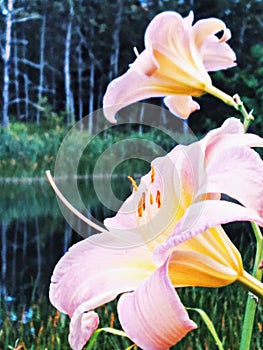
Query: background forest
pixel 59 56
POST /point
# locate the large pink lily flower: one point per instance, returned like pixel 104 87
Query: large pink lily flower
pixel 175 63
pixel 167 234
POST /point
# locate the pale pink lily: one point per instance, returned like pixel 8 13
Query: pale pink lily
pixel 175 63
pixel 166 234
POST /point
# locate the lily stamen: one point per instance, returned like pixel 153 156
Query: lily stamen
pixel 71 208
pixel 158 199
pixel 151 198
pixel 133 182
pixel 152 174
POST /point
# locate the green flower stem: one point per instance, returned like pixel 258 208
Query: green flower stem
pixel 252 283
pixel 229 100
pixel 234 101
pixel 248 117
pixel 251 305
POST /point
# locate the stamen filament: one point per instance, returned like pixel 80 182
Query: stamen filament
pixel 133 182
pixel 70 206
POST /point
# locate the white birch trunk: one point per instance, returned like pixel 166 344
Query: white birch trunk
pixel 6 57
pixel 114 59
pixel 67 76
pixel 26 92
pixel 16 74
pixel 80 79
pixel 41 65
pixel 91 95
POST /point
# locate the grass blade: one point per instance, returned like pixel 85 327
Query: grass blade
pixel 209 325
pixel 105 329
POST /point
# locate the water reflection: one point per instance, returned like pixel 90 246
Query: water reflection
pixel 34 234
pixel 30 236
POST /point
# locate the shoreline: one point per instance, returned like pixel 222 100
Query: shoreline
pixel 28 180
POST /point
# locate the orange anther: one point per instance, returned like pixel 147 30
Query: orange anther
pixel 142 204
pixel 151 198
pixel 152 174
pixel 143 201
pixel 140 207
pixel 158 199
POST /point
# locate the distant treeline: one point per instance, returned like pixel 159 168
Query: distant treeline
pixel 28 150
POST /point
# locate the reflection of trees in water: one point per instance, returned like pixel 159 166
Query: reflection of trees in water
pixel 30 249
pixel 34 236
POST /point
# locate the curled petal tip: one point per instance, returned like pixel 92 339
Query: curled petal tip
pixel 82 326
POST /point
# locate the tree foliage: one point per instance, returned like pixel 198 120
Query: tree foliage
pixel 66 52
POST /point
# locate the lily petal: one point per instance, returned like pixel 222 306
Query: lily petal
pixel 217 55
pixel 228 140
pixel 82 326
pixel 208 259
pixel 89 275
pixel 246 188
pixel 164 28
pixel 170 35
pixel 231 133
pixel 191 269
pixel 181 106
pixel 153 316
pixel 230 126
pixel 205 28
pixel 201 216
pixel 135 85
pixel 227 150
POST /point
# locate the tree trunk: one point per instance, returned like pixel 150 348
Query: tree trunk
pixel 12 276
pixel 16 75
pixel 80 79
pixel 39 258
pixel 6 57
pixel 67 237
pixel 4 257
pixel 68 91
pixel 41 64
pixel 26 92
pixel 91 95
pixel 114 59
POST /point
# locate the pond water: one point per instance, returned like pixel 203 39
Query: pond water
pixel 34 234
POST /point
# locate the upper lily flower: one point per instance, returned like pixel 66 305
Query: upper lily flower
pixel 166 234
pixel 175 63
